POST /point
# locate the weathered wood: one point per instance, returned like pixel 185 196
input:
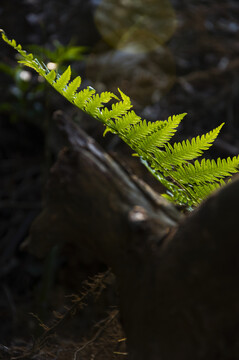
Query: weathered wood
pixel 92 201
pixel 177 276
pixel 188 291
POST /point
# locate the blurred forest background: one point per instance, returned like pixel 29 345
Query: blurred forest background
pixel 170 57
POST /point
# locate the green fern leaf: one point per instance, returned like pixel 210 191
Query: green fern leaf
pixel 51 76
pixel 117 110
pixel 125 98
pixel 126 121
pixel 148 135
pixel 34 65
pixel 62 81
pixel 170 128
pixel 72 87
pixel 13 43
pixel 203 190
pixel 174 193
pixel 207 170
pixel 93 106
pixel 137 133
pixel 83 97
pixel 162 132
pixel 119 125
pixel 180 152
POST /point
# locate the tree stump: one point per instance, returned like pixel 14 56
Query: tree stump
pixel 177 274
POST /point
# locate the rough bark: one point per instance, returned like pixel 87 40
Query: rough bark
pixel 177 275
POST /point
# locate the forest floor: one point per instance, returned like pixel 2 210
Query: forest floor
pixel 195 71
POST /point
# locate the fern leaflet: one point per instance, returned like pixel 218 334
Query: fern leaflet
pixel 72 88
pixel 207 170
pixel 62 81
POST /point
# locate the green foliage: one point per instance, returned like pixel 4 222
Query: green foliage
pixel 26 96
pixel 186 183
pixel 20 99
pixel 59 54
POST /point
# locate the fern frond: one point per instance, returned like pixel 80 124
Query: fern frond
pixel 138 132
pixel 189 150
pixel 170 128
pixel 203 190
pixel 174 192
pixel 68 89
pixel 117 110
pixel 62 80
pixel 162 132
pixel 186 183
pixel 93 107
pixel 125 98
pixel 146 135
pixel 72 88
pixel 121 125
pixel 51 76
pixel 178 153
pixel 207 170
pixel 83 97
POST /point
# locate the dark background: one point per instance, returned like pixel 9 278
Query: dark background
pixel 195 71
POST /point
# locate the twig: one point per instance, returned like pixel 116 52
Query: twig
pixel 106 322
